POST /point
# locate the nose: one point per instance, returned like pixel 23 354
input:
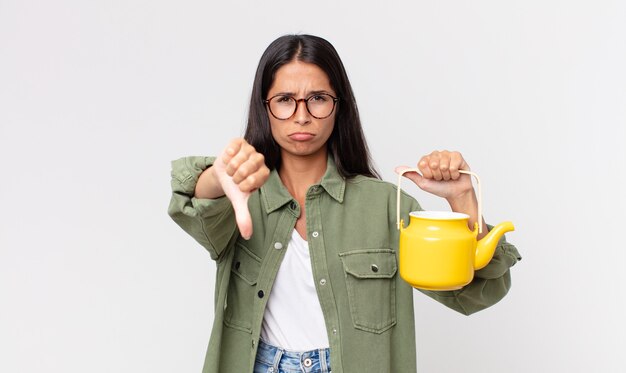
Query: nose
pixel 302 115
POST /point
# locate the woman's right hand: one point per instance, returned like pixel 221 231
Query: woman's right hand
pixel 236 173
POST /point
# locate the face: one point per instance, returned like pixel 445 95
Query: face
pixel 301 135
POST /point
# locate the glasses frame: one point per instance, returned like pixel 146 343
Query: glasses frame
pixel 306 105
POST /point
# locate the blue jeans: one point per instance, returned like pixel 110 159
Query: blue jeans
pixel 270 359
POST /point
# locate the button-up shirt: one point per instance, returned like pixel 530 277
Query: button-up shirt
pixel 353 243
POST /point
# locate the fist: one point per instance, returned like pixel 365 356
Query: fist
pixel 442 165
pixel 240 170
pixel 440 174
pixel 244 165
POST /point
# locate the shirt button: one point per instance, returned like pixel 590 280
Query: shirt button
pixel 323 281
pixel 292 205
pixel 334 331
pixel 278 245
pixel 374 268
pixel 261 294
pixel 315 234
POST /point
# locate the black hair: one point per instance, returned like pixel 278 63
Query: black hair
pixel 347 143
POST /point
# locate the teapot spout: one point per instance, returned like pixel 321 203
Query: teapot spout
pixel 486 247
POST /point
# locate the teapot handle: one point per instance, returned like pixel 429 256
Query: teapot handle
pixel 480 209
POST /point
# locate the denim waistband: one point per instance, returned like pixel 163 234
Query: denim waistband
pixel 314 361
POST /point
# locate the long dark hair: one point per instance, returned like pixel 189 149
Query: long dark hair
pixel 347 142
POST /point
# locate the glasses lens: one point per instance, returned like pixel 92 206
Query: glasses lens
pixel 282 107
pixel 320 106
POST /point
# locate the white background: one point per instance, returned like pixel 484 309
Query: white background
pixel 96 97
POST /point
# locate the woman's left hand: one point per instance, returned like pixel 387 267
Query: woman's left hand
pixel 440 175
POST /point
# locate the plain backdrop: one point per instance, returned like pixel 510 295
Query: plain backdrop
pixel 96 98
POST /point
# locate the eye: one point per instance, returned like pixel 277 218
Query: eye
pixel 282 99
pixel 318 98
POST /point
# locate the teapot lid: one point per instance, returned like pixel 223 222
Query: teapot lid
pixel 439 215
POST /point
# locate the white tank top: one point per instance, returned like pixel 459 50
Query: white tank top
pixel 293 318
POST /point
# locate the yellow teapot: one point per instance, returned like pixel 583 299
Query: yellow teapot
pixel 438 251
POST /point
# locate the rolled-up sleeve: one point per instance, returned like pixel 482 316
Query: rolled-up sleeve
pixel 211 222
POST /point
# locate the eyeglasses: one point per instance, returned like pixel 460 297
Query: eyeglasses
pixel 283 107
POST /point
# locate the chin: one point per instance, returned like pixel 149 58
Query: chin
pixel 304 151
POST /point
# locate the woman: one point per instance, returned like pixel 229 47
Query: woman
pixel 303 231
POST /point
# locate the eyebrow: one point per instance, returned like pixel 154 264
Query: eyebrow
pixel 308 94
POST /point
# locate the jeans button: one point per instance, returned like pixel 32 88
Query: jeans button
pixel 307 362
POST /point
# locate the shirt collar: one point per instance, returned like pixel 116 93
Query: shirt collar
pixel 275 195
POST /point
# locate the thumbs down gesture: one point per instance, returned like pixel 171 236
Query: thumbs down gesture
pixel 236 173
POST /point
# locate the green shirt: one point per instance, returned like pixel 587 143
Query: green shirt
pixel 351 225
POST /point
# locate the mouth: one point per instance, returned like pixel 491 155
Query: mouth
pixel 301 136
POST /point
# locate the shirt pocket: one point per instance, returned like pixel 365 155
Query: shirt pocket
pixel 241 289
pixel 371 288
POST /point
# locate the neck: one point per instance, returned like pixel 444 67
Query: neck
pixel 299 173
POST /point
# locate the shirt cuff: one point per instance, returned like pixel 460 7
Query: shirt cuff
pixel 186 171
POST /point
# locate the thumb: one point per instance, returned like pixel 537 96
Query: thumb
pixel 411 175
pixel 239 200
pixel 242 214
